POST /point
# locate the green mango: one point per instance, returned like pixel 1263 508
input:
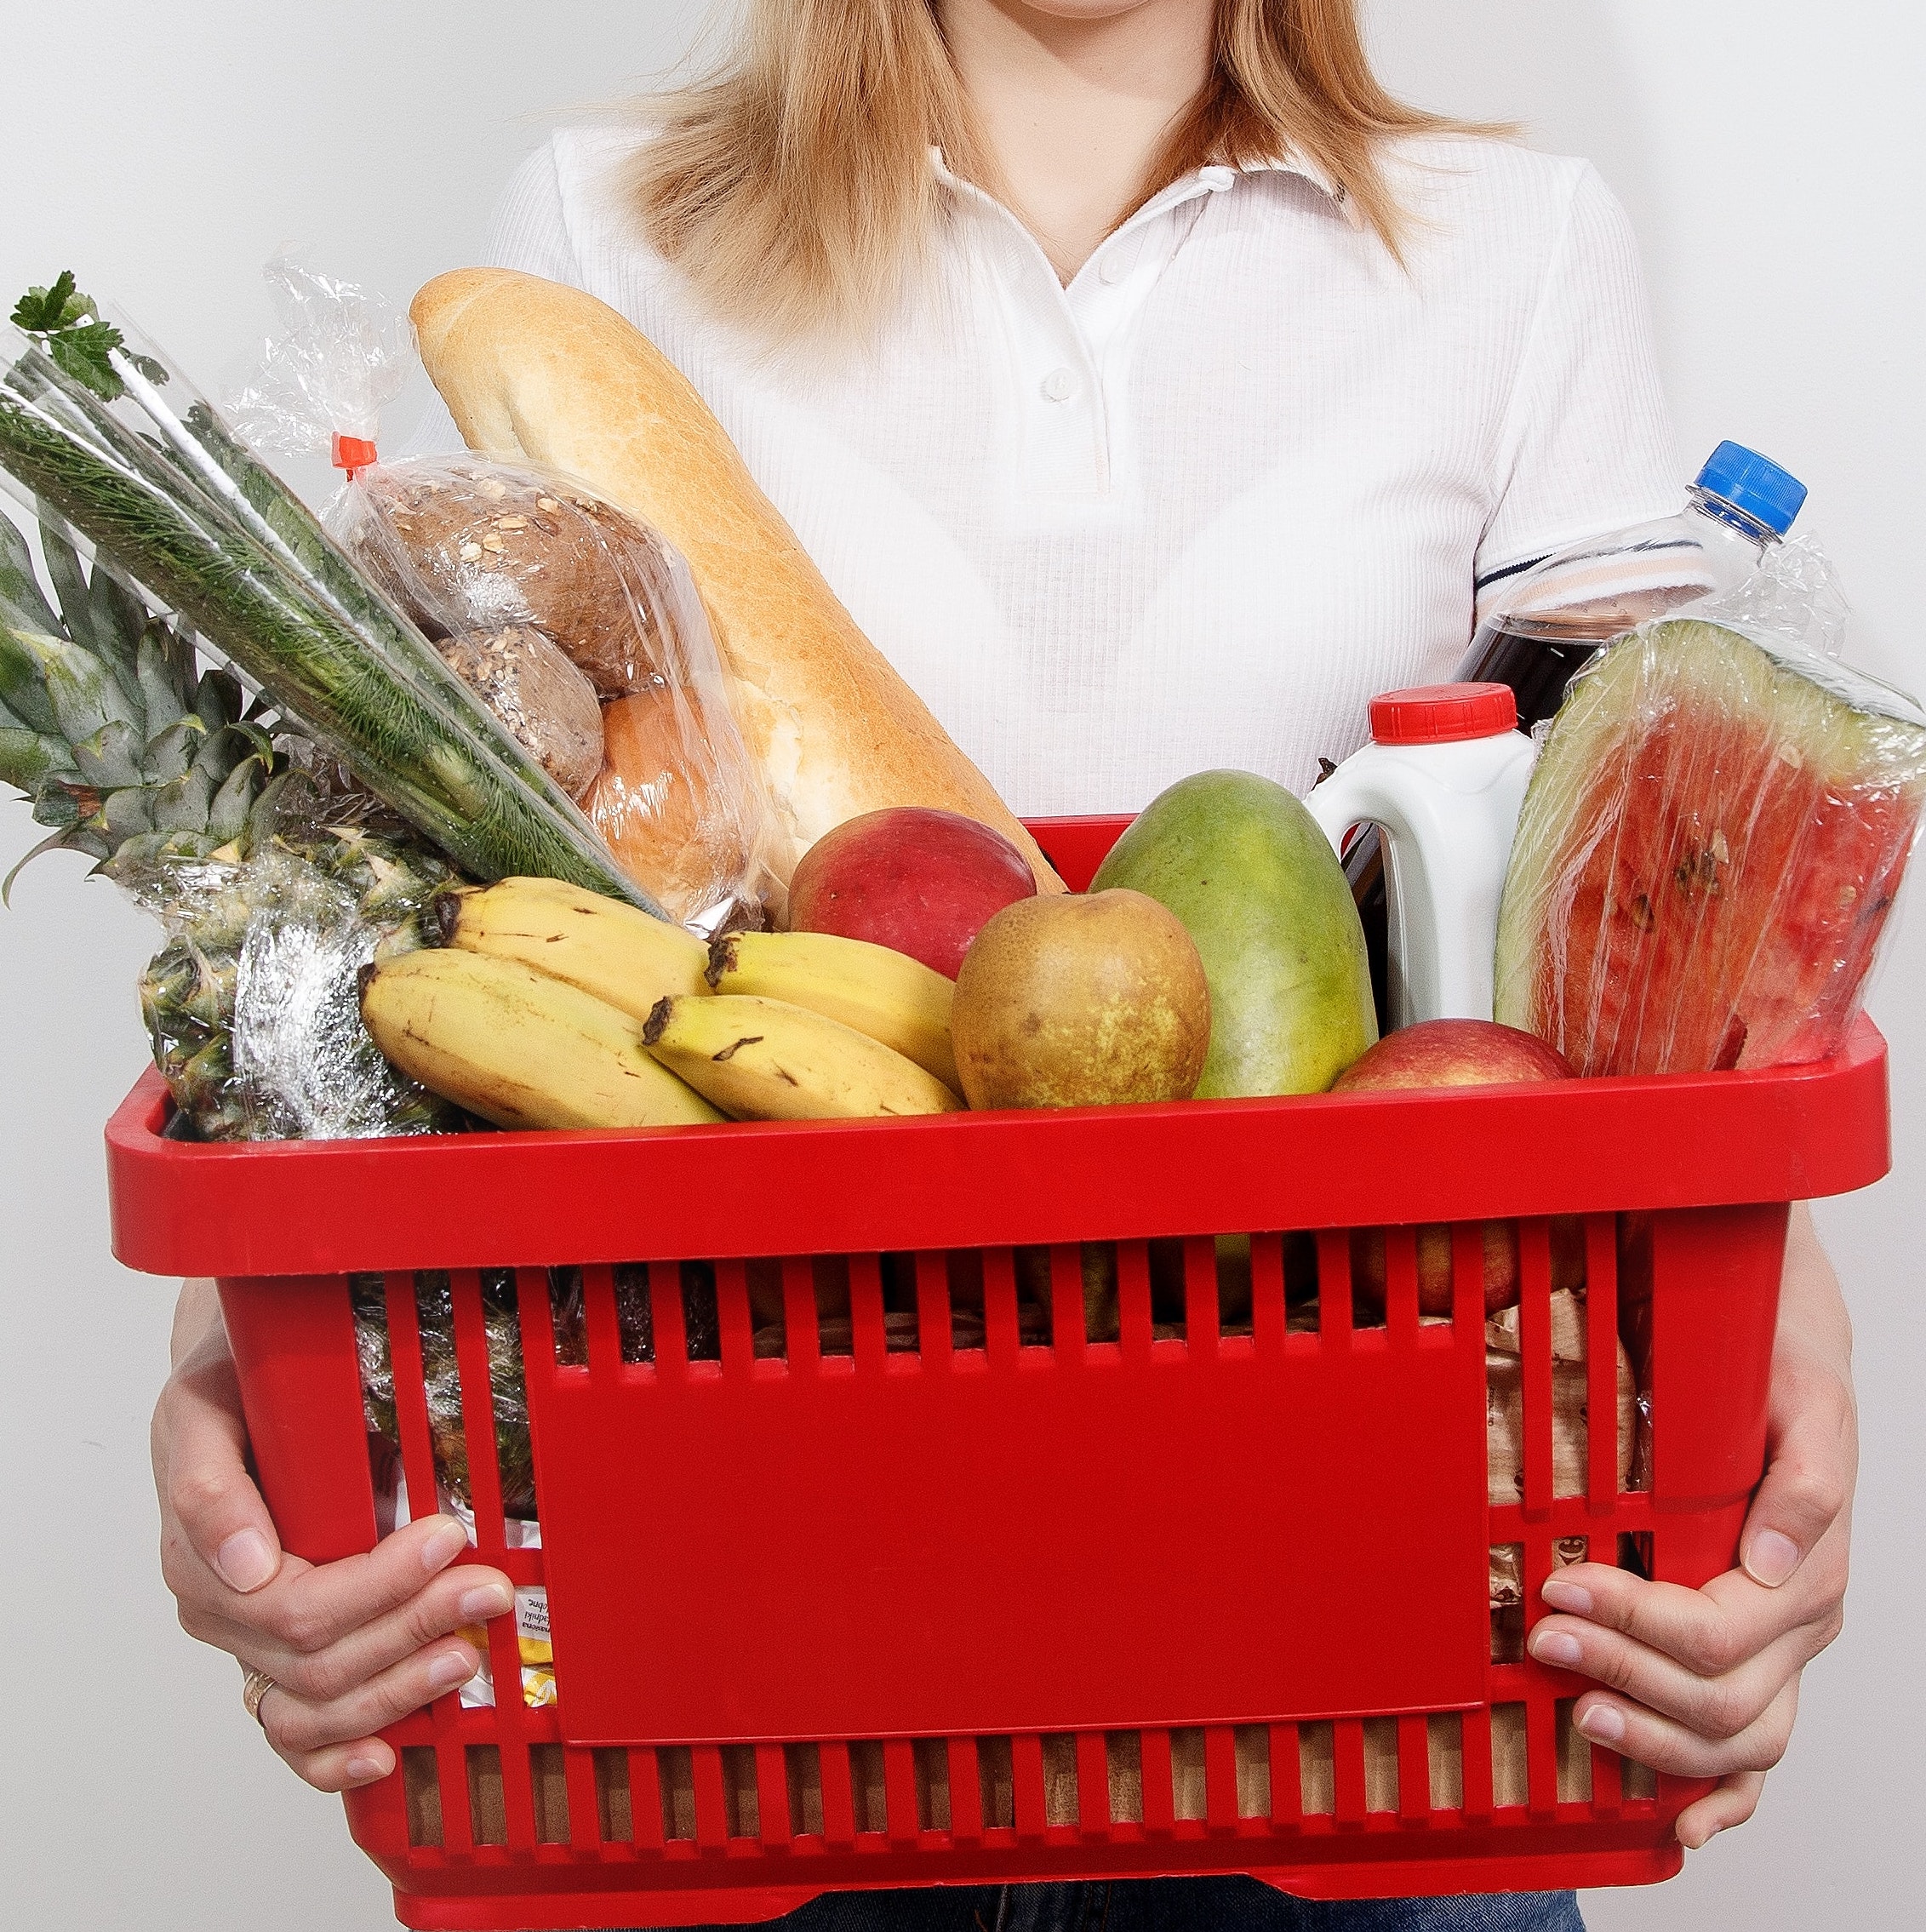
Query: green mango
pixel 1245 867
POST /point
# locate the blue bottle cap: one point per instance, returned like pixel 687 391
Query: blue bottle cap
pixel 1755 484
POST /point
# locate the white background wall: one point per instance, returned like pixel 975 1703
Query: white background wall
pixel 1772 153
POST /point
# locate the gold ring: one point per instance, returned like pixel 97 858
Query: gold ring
pixel 254 1686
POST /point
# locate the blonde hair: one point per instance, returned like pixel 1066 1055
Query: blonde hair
pixel 793 187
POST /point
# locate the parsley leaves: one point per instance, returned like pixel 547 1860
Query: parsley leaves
pixel 82 345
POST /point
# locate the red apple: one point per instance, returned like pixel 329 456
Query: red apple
pixel 1454 1053
pixel 918 880
pixel 1458 1053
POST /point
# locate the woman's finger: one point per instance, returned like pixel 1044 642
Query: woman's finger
pixel 1732 1804
pixel 1662 1744
pixel 295 1727
pixel 1721 1706
pixel 1813 1459
pixel 310 1608
pixel 461 1599
pixel 457 1601
pixel 343 1767
pixel 209 1501
pixel 1710 1631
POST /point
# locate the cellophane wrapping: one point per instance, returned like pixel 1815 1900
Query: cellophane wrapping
pixel 576 623
pixel 1712 841
pixel 253 1006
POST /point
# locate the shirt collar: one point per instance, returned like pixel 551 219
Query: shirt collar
pixel 1307 170
pixel 1215 179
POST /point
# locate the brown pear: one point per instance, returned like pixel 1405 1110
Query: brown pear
pixel 1086 1001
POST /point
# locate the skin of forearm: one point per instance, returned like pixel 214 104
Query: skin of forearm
pixel 1813 1315
pixel 198 1329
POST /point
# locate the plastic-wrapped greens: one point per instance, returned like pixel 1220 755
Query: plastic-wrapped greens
pixel 178 507
pixel 1712 841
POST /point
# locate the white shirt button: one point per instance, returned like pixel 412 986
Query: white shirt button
pixel 1113 267
pixel 1059 386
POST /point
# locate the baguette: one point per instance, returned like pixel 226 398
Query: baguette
pixel 532 369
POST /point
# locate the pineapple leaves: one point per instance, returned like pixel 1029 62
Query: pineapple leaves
pixel 163 666
pixel 57 842
pixel 218 702
pixel 23 691
pixel 111 759
pixel 233 804
pixel 118 619
pixel 54 685
pixel 172 754
pixel 22 600
pixel 26 758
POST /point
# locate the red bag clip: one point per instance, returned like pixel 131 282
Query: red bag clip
pixel 353 453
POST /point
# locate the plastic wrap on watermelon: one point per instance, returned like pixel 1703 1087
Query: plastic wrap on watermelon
pixel 1711 843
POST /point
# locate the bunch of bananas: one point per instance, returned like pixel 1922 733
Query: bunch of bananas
pixel 547 1006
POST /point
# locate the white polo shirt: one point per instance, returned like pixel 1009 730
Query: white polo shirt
pixel 1194 510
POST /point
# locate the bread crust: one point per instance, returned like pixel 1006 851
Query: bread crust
pixel 532 368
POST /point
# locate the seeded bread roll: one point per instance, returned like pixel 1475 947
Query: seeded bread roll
pixel 532 369
pixel 477 547
pixel 538 693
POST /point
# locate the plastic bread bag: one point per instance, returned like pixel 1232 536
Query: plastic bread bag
pixel 578 626
pixel 1713 838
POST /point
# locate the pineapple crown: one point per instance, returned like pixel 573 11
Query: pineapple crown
pixel 129 751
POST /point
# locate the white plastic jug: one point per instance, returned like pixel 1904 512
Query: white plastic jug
pixel 1443 779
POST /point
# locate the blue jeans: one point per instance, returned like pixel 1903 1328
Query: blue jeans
pixel 1173 1904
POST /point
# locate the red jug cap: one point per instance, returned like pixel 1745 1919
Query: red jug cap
pixel 1443 714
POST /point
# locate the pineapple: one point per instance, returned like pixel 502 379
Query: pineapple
pixel 233 833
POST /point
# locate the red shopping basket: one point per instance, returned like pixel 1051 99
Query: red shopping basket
pixel 871 1560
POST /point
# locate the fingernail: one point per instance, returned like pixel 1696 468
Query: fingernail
pixel 1570 1597
pixel 245 1561
pixel 1555 1647
pixel 486 1600
pixel 367 1769
pixel 1604 1723
pixel 443 1544
pixel 447 1671
pixel 1771 1559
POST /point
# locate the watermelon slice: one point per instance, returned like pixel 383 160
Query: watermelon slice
pixel 1707 853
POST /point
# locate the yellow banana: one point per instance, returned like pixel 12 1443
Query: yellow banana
pixel 767 1060
pixel 885 994
pixel 518 1048
pixel 620 955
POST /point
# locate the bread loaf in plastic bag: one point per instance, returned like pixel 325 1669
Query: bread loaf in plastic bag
pixel 578 625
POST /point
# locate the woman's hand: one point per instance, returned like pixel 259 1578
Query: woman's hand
pixel 352 1646
pixel 1704 1683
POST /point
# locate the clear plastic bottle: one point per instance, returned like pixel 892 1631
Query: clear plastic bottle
pixel 1550 621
